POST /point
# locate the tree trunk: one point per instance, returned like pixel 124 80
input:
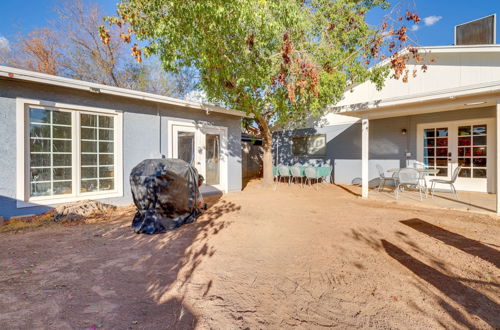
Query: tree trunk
pixel 267 159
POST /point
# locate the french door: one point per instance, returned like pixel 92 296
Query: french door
pixel 204 147
pixel 469 144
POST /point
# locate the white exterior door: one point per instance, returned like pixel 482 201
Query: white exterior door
pixel 204 147
pixel 471 144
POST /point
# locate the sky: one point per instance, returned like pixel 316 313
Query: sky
pixel 436 28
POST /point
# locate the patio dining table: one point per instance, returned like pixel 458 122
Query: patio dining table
pixel 422 173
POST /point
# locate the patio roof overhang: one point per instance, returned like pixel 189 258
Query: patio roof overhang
pixel 464 97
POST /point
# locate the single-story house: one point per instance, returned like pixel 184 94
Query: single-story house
pixel 444 118
pixel 65 140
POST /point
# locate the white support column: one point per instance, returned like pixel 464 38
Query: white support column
pixel 364 157
pixel 497 163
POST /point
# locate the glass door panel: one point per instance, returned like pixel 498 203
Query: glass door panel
pixel 186 146
pixel 436 149
pixel 472 148
pixel 212 159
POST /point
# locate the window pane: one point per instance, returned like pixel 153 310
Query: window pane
pixel 61 118
pixel 299 145
pixel 316 145
pixel 106 134
pixel 429 132
pixel 480 151
pixel 428 152
pixel 464 141
pixel 441 132
pixel 89 133
pixel 429 142
pixel 89 159
pixel 479 162
pixel 464 130
pixel 62 173
pixel 61 159
pixel 106 159
pixel 40 160
pixel 105 146
pixel 465 173
pixel 441 161
pixel 479 140
pixel 106 172
pixel 185 145
pixel 212 162
pixel 39 131
pixel 100 152
pixel 88 186
pixel 479 173
pixel 106 184
pixel 40 189
pixel 39 116
pixel 442 171
pixel 62 188
pixel 88 120
pixel 464 161
pixel 61 132
pixel 89 146
pixel 442 142
pixel 106 121
pixel 89 172
pixel 442 152
pixel 40 174
pixel 62 146
pixel 463 152
pixel 39 145
pixel 479 129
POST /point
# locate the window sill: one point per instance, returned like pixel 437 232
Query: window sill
pixel 66 199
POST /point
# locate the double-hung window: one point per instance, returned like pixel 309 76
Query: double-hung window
pixel 70 154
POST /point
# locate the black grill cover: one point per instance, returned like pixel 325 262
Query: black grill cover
pixel 166 195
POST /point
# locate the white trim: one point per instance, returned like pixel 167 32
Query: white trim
pixel 22 146
pixel 365 156
pixel 19 74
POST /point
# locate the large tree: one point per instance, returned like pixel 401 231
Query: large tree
pixel 279 61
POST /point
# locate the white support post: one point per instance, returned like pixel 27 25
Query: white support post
pixel 497 163
pixel 364 157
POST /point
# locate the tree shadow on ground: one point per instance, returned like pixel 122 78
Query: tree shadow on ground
pixel 143 279
pixel 460 242
pixel 473 301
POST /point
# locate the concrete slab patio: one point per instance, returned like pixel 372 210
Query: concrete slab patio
pixel 291 258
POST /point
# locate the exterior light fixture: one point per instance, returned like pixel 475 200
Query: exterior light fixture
pixel 403 131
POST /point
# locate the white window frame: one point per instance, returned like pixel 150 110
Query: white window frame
pixel 23 149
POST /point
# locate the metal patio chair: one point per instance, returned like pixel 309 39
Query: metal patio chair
pixel 450 182
pixel 382 178
pixel 409 178
pixel 312 174
pixel 296 173
pixel 284 172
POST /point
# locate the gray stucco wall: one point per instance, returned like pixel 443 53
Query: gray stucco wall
pixel 144 134
pixel 386 141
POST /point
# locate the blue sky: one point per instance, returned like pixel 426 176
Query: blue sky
pixel 22 16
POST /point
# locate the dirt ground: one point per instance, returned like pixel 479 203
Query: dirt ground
pixel 260 259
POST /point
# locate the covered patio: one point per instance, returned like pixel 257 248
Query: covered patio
pixel 443 130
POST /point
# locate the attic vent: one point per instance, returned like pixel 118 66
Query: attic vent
pixel 478 32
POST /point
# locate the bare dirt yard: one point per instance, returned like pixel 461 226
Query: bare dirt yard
pixel 260 259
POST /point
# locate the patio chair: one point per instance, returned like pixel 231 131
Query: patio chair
pixel 383 178
pixel 296 173
pixel 312 174
pixel 409 178
pixel 328 178
pixel 284 172
pixel 450 182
